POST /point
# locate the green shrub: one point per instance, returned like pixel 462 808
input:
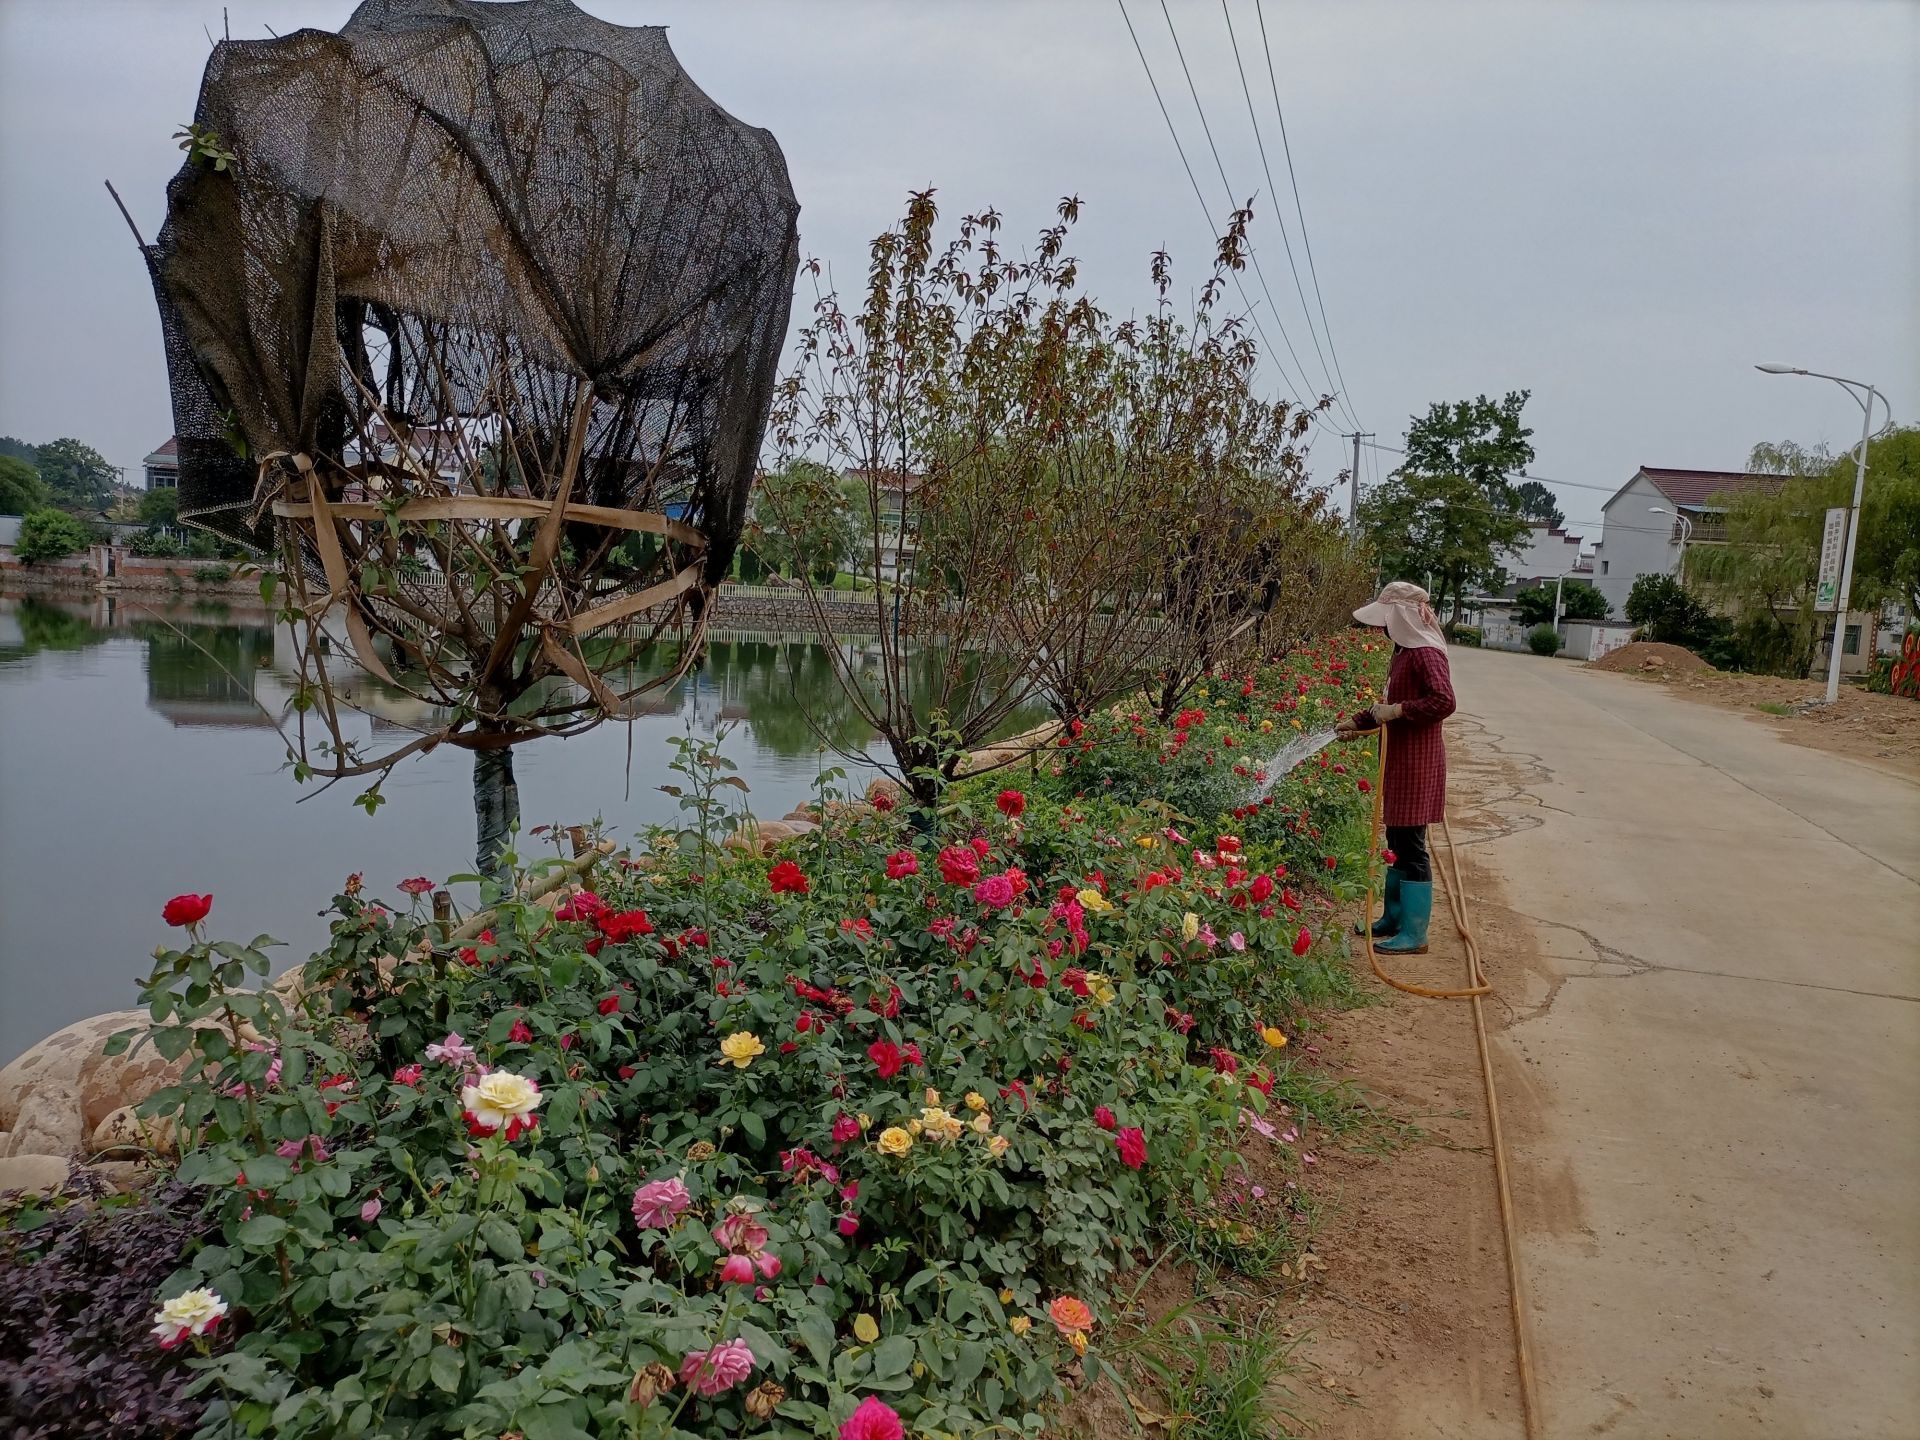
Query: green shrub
pixel 1544 640
pixel 156 545
pixel 51 535
pixel 212 574
pixel 1467 635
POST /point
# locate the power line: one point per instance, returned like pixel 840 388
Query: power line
pixel 1306 240
pixel 1279 218
pixel 1207 130
pixel 1524 474
pixel 1192 180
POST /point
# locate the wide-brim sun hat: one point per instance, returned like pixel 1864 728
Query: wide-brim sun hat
pixel 1405 612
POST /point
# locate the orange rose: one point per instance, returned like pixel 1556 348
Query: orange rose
pixel 1070 1316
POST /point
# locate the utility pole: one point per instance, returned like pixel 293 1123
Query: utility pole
pixel 1353 478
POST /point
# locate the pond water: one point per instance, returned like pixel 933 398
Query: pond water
pixel 136 763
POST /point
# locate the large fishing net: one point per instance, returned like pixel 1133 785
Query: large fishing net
pixel 472 313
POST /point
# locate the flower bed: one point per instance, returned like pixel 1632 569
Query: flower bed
pixel 848 1140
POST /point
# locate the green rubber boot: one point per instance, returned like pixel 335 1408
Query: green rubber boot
pixel 1416 913
pixel 1389 921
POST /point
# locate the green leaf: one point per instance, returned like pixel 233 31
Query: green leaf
pixel 445 1367
pixel 261 1232
pixel 754 1126
pixel 502 1238
pixel 892 1356
pixel 816 1333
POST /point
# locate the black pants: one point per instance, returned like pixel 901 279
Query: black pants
pixel 1409 846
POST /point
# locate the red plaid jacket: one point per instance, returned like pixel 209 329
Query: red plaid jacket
pixel 1415 788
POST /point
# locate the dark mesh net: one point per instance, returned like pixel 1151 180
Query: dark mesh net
pixel 471 266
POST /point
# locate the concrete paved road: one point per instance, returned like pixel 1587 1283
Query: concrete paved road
pixel 1716 1076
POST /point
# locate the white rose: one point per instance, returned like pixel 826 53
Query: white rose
pixel 193 1313
pixel 500 1096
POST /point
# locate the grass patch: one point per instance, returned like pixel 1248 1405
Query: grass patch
pixel 1773 707
pixel 1212 1383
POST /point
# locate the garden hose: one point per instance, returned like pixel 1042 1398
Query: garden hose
pixel 1477 986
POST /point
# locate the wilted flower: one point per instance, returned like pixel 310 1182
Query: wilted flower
pixel 763 1398
pixel 865 1329
pixel 650 1382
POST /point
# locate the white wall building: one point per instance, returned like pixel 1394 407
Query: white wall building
pixel 161 469
pixel 1547 553
pixel 1635 541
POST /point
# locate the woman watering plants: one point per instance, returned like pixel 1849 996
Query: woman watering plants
pixel 1414 787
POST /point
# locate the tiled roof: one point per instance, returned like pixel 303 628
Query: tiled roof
pixel 171 448
pixel 1696 487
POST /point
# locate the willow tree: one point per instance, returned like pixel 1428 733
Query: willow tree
pixel 472 316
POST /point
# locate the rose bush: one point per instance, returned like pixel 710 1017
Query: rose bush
pixel 736 1144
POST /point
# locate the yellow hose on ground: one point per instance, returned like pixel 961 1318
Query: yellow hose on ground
pixel 1477 986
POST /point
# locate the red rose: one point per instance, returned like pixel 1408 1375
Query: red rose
pixel 1132 1143
pixel 521 1033
pixel 185 910
pixel 1303 942
pixel 959 865
pixel 786 879
pixel 609 1005
pixel 418 885
pixel 1261 888
pixel 1012 804
pixel 901 864
pixel 980 846
pixel 1103 1117
pixel 886 1058
pixel 626 925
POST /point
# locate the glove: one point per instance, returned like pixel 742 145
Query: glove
pixel 1380 714
pixel 1346 730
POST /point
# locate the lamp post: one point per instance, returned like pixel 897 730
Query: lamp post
pixel 1686 527
pixel 1853 388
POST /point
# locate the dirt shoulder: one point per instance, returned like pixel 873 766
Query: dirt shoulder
pixel 1883 729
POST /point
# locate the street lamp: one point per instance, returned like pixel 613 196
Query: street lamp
pixel 1686 527
pixel 1852 387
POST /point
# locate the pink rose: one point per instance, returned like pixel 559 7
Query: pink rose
pixel 370 1211
pixel 872 1419
pixel 658 1203
pixel 714 1371
pixel 1132 1143
pixel 995 892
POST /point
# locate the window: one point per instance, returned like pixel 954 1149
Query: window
pixel 1851 644
pixel 1603 567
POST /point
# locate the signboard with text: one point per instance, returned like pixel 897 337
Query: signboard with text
pixel 1826 594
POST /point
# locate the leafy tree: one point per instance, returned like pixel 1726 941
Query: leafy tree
pixel 78 475
pixel 22 491
pixel 801 521
pixel 160 509
pixel 1669 614
pixel 1536 502
pixel 19 450
pixel 51 535
pixel 1578 601
pixel 1438 530
pixel 1450 512
pixel 1766 573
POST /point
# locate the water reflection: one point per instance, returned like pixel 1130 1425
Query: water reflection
pixel 138 759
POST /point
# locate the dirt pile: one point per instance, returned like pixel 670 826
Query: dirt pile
pixel 1644 656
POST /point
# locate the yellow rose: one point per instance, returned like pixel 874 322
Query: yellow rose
pixel 1006 1297
pixel 1101 988
pixel 998 1145
pixel 1091 899
pixel 982 1123
pixel 914 1127
pixel 1273 1037
pixel 932 1096
pixel 895 1141
pixel 975 1100
pixel 866 1121
pixel 500 1096
pixel 1079 1342
pixel 865 1329
pixel 938 1123
pixel 1145 842
pixel 1189 925
pixel 741 1047
pixel 1020 1324
pixel 1266 726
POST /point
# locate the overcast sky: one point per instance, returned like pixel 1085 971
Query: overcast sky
pixel 1620 206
